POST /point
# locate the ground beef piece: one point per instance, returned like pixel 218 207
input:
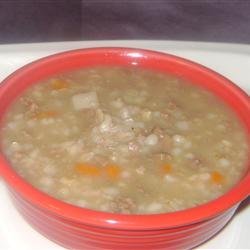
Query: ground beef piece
pixel 31 106
pixel 158 131
pixel 123 205
pixel 196 163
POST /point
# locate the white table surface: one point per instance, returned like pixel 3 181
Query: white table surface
pixel 231 60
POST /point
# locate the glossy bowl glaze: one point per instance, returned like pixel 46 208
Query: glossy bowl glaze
pixel 78 228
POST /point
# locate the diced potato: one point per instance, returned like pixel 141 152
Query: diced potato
pixel 85 100
pixel 133 97
pixel 151 140
pixel 106 124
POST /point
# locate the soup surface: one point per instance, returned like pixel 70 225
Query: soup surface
pixel 125 140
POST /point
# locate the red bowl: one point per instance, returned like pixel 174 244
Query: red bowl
pixel 78 228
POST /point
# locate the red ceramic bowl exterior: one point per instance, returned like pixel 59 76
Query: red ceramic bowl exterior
pixel 78 228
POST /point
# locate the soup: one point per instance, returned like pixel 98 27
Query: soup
pixel 125 140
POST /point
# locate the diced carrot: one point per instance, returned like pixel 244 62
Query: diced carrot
pixel 217 177
pixel 167 168
pixel 113 171
pixel 86 169
pixel 45 114
pixel 59 84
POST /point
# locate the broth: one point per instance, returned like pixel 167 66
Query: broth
pixel 125 140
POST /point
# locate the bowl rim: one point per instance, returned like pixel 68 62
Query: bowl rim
pixel 64 210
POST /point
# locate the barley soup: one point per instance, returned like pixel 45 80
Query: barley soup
pixel 125 140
